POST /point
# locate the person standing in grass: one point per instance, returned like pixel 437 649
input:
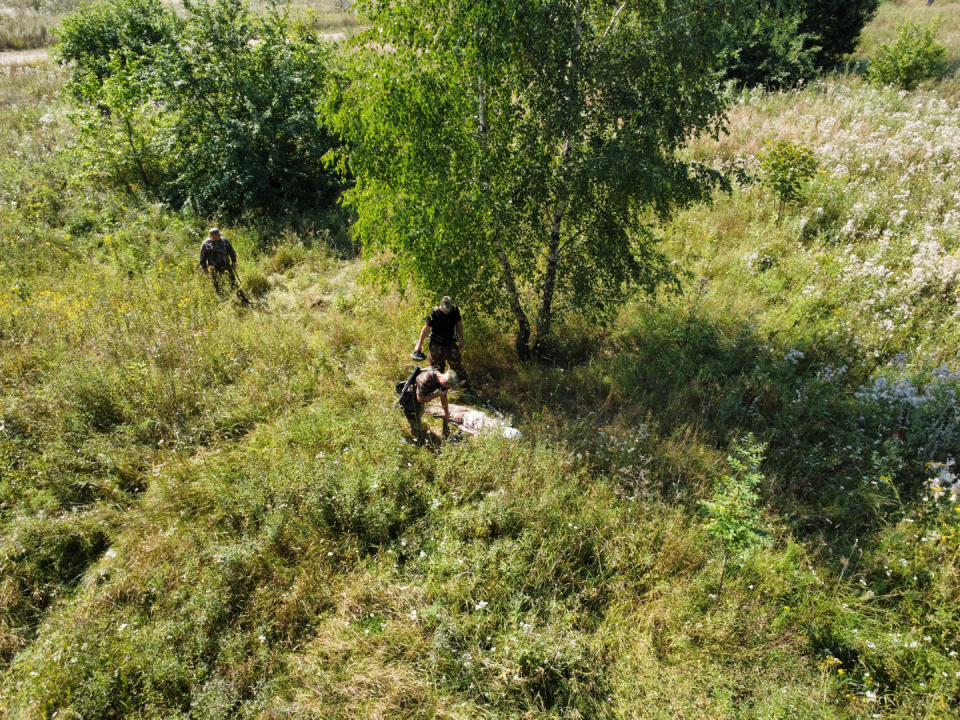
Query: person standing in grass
pixel 218 255
pixel 445 327
pixel 429 385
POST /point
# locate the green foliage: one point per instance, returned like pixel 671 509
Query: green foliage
pixel 790 42
pixel 836 25
pixel 215 112
pixel 211 511
pixel 786 165
pixel 487 169
pixel 772 51
pixel 733 517
pixel 103 39
pixel 914 57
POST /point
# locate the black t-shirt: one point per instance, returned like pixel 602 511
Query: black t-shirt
pixel 443 326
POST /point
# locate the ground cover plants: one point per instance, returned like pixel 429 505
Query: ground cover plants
pixel 212 511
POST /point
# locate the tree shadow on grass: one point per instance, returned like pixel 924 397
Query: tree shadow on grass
pixel 699 383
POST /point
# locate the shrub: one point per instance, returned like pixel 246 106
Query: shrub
pixel 215 112
pixel 285 258
pixel 732 515
pixel 773 52
pixel 791 42
pixel 256 284
pixel 837 25
pixel 914 57
pixel 786 165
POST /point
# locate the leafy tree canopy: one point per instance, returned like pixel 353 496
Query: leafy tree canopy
pixel 506 151
pixel 793 40
pixel 837 25
pixel 216 111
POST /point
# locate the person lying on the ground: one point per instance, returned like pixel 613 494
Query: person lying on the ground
pixel 474 422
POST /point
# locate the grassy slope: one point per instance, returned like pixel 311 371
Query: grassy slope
pixel 211 511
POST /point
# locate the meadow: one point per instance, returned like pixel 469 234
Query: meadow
pixel 214 511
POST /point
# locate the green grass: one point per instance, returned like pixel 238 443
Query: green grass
pixel 214 511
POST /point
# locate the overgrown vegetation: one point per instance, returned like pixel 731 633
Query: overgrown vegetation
pixel 28 23
pixel 790 42
pixel 215 112
pixel 915 56
pixel 209 510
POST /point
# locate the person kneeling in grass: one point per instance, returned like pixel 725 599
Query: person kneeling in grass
pixel 430 384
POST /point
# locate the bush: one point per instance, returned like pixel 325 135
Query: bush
pixel 791 42
pixel 256 284
pixel 837 25
pixel 215 112
pixel 786 166
pixel 915 56
pixel 773 52
pixel 733 517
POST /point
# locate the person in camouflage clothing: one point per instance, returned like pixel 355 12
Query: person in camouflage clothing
pixel 445 327
pixel 429 385
pixel 217 255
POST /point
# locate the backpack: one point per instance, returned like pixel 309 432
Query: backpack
pixel 219 255
pixel 407 391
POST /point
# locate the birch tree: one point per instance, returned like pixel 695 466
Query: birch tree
pixel 513 153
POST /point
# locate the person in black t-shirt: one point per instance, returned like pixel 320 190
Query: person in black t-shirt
pixel 445 327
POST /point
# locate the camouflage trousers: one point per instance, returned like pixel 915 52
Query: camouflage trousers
pixel 418 428
pixel 422 435
pixel 441 355
pixel 222 277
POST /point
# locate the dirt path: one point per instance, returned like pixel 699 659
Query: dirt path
pixel 23 57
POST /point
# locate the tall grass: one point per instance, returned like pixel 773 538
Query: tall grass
pixel 27 24
pixel 213 510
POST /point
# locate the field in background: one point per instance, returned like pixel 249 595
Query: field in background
pixel 214 511
pixel 26 24
pixel 883 29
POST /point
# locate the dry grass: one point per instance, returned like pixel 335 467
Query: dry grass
pixel 26 24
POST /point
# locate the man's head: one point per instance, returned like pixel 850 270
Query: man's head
pixel 446 305
pixel 215 233
pixel 449 379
